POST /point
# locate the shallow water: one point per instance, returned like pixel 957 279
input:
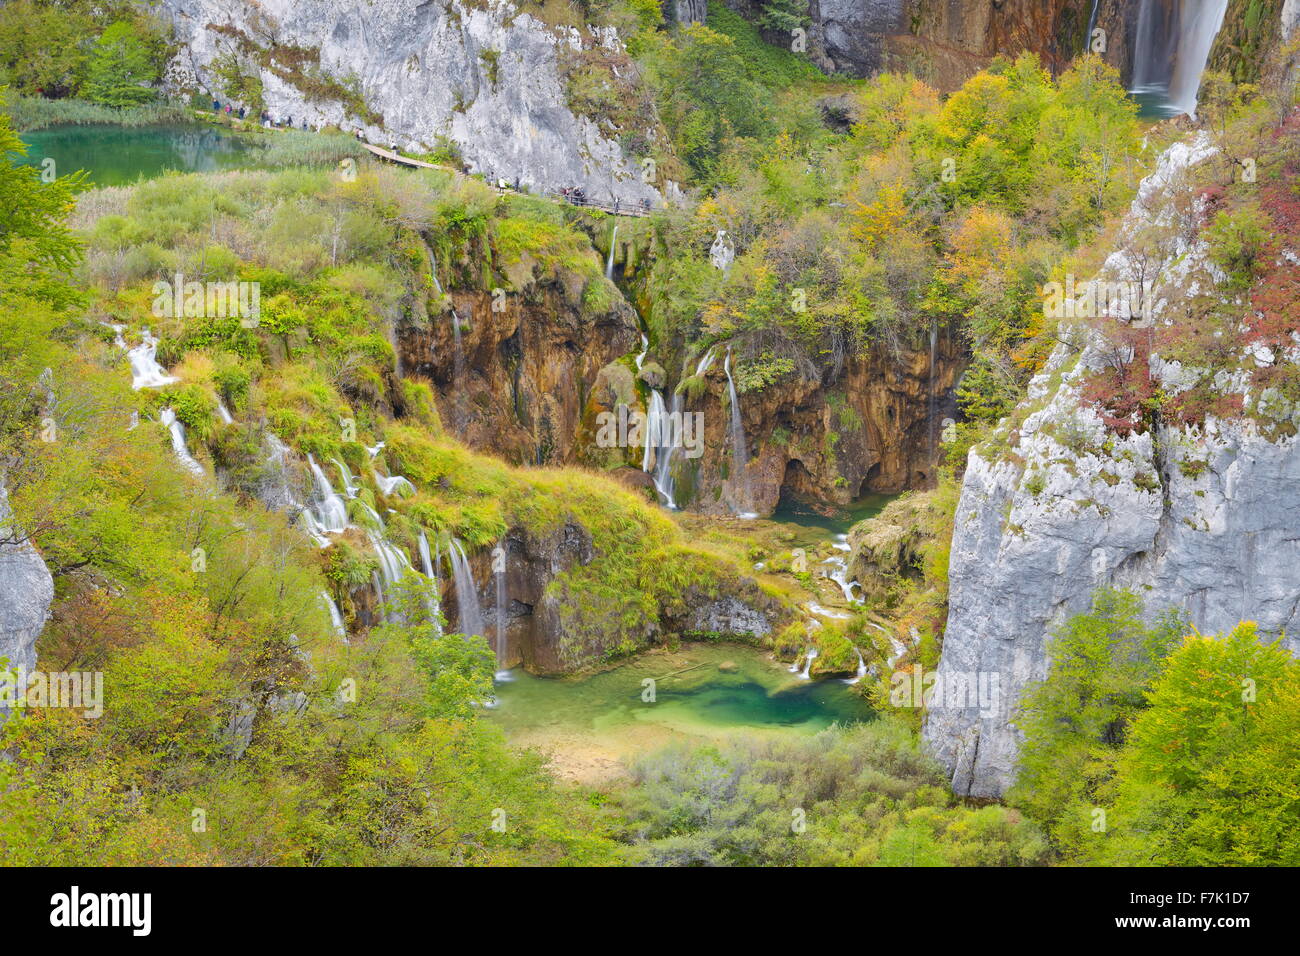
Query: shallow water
pixel 592 723
pixel 118 155
pixel 811 528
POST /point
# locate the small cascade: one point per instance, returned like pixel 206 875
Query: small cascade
pixel 336 616
pixel 929 392
pixel 224 414
pixel 1092 25
pixel 645 348
pixel 739 451
pixel 350 486
pixel 502 621
pixel 329 510
pixel 839 573
pixel 471 612
pixel 373 450
pixel 861 672
pixel 390 485
pixel 145 370
pixel 609 262
pixel 168 417
pixel 806 673
pixel 432 591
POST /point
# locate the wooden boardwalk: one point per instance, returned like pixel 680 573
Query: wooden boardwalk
pixel 613 208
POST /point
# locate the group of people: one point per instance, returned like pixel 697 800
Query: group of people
pixel 265 117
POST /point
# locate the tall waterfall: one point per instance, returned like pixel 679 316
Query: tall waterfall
pixel 432 590
pixel 499 572
pixel 740 452
pixel 609 262
pixel 471 612
pixel 458 353
pixel 663 474
pixel 1172 47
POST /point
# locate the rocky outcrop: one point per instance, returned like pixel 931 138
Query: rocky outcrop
pixel 822 435
pixel 516 382
pixel 550 630
pixel 485 78
pixel 1199 517
pixel 26 592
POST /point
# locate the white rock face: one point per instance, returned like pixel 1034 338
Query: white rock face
pixel 26 591
pixel 425 67
pixel 1206 519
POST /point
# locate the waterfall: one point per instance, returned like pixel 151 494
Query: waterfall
pixel 458 352
pixel 471 613
pixel 336 616
pixel 330 511
pixel 1092 25
pixel 1201 22
pixel 654 425
pixel 145 370
pixel 839 573
pixel 502 616
pixel 663 475
pixel 862 669
pixel 1171 50
pixel 224 414
pixel 431 594
pixel 350 486
pixel 739 451
pixel 168 418
pixel 609 262
pixel 929 394
pixel 806 674
pixel 392 485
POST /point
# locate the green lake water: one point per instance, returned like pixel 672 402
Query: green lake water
pixel 603 717
pixel 118 155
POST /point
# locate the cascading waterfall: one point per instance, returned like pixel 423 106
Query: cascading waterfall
pixel 806 673
pixel 861 672
pixel 609 262
pixel 145 370
pixel 177 430
pixel 655 418
pixel 336 616
pixel 392 484
pixel 224 414
pixel 330 512
pixel 432 590
pixel 350 486
pixel 502 621
pixel 471 612
pixel 1171 49
pixel 458 353
pixel 740 453
pixel 1092 25
pixel 663 474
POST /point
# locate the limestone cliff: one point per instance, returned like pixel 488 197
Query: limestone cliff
pixel 26 590
pixel 1203 517
pixel 485 78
